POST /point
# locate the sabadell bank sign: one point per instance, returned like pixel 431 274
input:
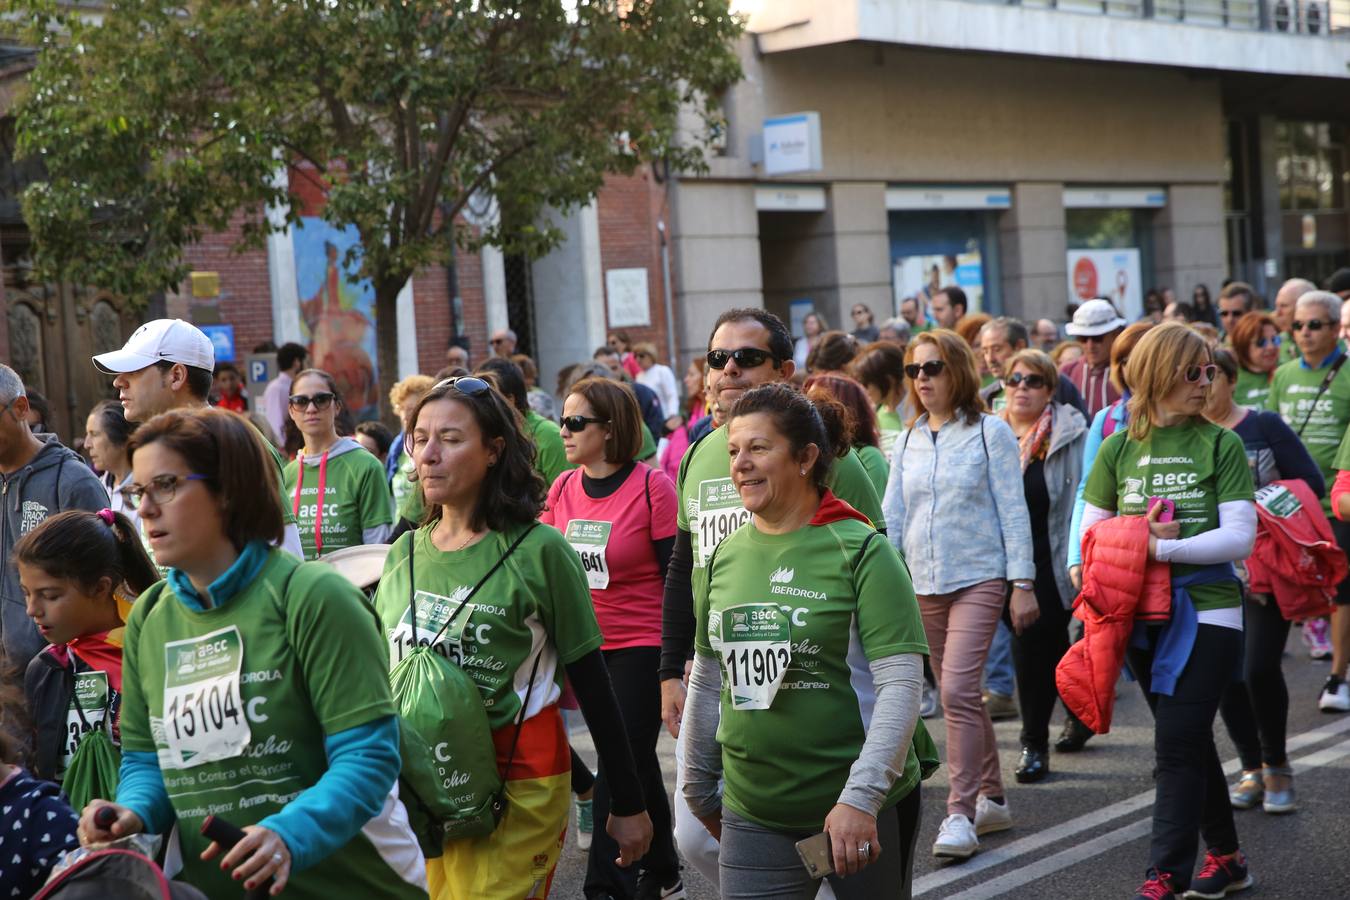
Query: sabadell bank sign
pixel 792 144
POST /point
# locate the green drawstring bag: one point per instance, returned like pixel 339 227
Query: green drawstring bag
pixel 93 769
pixel 925 750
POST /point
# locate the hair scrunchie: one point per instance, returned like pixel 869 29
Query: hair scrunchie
pixel 106 515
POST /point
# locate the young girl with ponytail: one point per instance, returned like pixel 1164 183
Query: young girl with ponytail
pixel 79 571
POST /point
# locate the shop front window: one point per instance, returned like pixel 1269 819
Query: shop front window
pixel 1310 165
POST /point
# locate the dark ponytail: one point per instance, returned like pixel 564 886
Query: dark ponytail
pixel 821 420
pixel 87 546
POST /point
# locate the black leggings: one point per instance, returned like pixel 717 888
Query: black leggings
pixel 1036 652
pixel 638 689
pixel 582 777
pixel 1256 710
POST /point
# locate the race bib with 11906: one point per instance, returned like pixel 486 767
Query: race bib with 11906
pixel 756 649
pixel 433 611
pixel 88 710
pixel 204 717
pixel 720 513
pixel 590 539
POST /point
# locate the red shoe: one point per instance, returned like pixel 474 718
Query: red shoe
pixel 1157 887
pixel 1220 876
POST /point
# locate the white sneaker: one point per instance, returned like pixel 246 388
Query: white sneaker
pixel 956 838
pixel 928 702
pixel 1335 696
pixel 991 816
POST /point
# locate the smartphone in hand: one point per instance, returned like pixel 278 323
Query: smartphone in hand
pixel 816 856
pixel 1169 509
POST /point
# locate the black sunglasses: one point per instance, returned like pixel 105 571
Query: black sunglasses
pixel 321 401
pixel 1311 325
pixel 468 385
pixel 1017 379
pixel 745 358
pixel 577 424
pixel 1228 313
pixel 933 368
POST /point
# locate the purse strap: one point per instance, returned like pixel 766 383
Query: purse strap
pixel 1322 389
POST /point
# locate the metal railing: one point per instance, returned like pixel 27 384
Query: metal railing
pixel 1311 18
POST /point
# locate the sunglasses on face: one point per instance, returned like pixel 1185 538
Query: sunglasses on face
pixel 745 358
pixel 1017 379
pixel 1199 374
pixel 1091 338
pixel 577 424
pixel 1311 325
pixel 933 368
pixel 1264 342
pixel 321 401
pixel 1229 313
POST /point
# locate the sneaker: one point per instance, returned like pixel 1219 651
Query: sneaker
pixel 928 703
pixel 1280 802
pixel 999 706
pixel 1158 886
pixel 956 838
pixel 1220 876
pixel 1315 638
pixel 585 823
pixel 1249 791
pixel 991 816
pixel 1335 695
pixel 652 889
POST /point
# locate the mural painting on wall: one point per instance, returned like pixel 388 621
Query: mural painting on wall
pixel 337 312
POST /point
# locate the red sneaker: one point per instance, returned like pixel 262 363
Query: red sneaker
pixel 1157 887
pixel 1220 876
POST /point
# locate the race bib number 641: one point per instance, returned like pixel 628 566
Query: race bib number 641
pixel 203 713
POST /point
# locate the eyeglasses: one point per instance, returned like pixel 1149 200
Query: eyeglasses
pixel 1017 379
pixel 1311 325
pixel 160 490
pixel 577 424
pixel 745 358
pixel 498 340
pixel 933 368
pixel 1229 313
pixel 468 385
pixel 321 400
pixel 1092 338
pixel 1261 343
pixel 1199 374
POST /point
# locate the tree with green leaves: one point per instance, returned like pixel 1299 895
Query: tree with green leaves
pixel 157 123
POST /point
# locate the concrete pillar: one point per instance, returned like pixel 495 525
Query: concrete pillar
pixel 1032 252
pixel 569 296
pixel 856 217
pixel 716 257
pixel 1188 238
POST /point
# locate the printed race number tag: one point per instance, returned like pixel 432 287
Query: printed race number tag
pixel 756 649
pixel 591 539
pixel 203 713
pixel 719 514
pixel 433 610
pixel 1278 500
pixel 91 695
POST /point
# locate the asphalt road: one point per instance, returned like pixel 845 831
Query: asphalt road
pixel 1083 832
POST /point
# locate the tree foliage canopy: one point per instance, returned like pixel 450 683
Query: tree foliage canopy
pixel 158 122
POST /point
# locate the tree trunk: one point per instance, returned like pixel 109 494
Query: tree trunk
pixel 386 343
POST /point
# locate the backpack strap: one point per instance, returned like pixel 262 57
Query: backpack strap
pixel 1326 383
pixel 647 493
pixel 495 566
pixel 515 738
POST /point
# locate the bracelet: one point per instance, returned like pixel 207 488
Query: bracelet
pixel 1024 585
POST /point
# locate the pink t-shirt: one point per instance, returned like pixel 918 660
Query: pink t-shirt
pixel 613 536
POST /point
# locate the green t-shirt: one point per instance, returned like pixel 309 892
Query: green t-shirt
pixel 875 465
pixel 648 445
pixel 890 426
pixel 550 459
pixel 355 498
pixel 236 701
pixel 710 508
pixel 819 613
pixel 1196 465
pixel 1252 388
pixel 401 485
pixel 1291 395
pixel 538 599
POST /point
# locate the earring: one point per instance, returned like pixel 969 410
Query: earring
pixel 803 473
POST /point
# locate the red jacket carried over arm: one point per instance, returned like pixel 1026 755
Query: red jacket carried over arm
pixel 1296 558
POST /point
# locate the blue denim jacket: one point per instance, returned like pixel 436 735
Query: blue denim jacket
pixel 955 506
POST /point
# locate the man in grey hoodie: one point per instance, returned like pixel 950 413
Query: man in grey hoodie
pixel 38 478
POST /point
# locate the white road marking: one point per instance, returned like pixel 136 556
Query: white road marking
pixel 1048 836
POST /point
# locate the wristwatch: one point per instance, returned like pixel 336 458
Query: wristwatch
pixel 1024 585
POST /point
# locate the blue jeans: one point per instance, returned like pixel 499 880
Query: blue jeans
pixel 998 667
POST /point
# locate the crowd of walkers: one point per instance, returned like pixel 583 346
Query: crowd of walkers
pixel 358 646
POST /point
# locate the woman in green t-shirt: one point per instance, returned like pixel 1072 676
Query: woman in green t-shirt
pixel 1256 344
pixel 1190 477
pixel 811 628
pixel 355 507
pixel 248 690
pixel 532 620
pixel 880 369
pixel 866 437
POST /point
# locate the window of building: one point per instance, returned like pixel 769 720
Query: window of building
pixel 1310 165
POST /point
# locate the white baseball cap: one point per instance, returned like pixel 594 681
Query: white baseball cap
pixel 1095 317
pixel 163 340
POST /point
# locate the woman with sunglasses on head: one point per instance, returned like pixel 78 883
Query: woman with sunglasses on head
pixel 1256 709
pixel 338 495
pixel 619 517
pixel 955 508
pixel 1050 438
pixel 247 687
pixel 804 696
pixel 532 621
pixel 1191 479
pixel 1256 344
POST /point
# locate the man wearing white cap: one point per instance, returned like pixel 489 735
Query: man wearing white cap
pixel 1095 324
pixel 168 364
